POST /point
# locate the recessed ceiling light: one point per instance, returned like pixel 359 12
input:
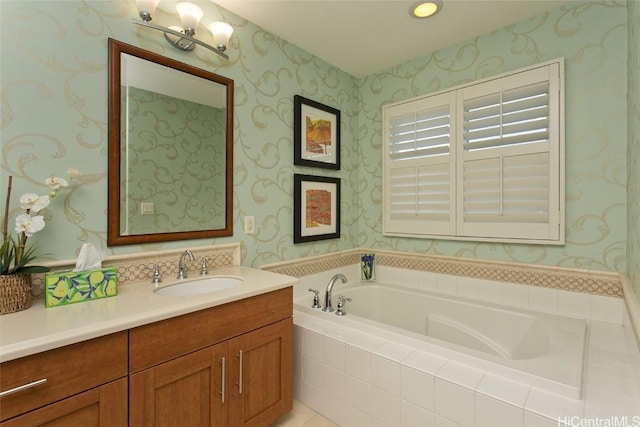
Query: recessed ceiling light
pixel 425 9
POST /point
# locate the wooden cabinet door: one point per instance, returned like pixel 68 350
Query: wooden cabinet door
pixel 104 406
pixel 261 371
pixel 187 391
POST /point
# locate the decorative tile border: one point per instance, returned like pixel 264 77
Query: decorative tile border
pixel 307 266
pixel 135 267
pixel 574 280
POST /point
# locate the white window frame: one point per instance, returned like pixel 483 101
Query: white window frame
pixel 541 220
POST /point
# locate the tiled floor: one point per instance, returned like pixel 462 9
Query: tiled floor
pixel 303 416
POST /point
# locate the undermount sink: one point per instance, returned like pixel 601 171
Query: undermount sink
pixel 199 286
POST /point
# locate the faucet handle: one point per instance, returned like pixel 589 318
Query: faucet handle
pixel 204 267
pixel 316 298
pixel 340 308
pixel 157 277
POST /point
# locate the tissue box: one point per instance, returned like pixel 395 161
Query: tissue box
pixel 68 287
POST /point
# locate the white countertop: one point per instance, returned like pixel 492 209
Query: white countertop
pixel 39 329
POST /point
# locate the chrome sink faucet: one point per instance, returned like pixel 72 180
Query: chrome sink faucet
pixel 182 269
pixel 327 295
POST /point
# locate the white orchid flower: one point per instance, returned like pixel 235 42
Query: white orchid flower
pixel 55 182
pixel 29 225
pixel 34 203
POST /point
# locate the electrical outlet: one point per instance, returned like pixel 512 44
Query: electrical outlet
pixel 249 225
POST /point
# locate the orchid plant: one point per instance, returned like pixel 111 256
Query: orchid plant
pixel 14 253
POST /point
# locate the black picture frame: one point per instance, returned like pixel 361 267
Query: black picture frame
pixel 316 208
pixel 321 121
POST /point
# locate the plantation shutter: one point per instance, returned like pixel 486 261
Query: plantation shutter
pixel 482 162
pixel 418 190
pixel 509 170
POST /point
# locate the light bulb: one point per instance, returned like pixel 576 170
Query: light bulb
pixel 190 14
pixel 425 9
pixel 221 34
pixel 146 8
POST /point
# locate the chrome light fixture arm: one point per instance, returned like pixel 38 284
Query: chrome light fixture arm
pixel 180 42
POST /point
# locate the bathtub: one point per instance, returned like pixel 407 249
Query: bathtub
pixel 543 350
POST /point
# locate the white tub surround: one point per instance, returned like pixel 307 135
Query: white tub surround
pixel 633 307
pixel 39 329
pixel 359 377
pixel 540 349
pixel 575 293
pixel 363 376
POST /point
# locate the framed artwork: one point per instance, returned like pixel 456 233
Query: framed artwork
pixel 316 139
pixel 316 208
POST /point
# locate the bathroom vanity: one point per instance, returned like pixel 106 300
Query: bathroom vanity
pixel 215 359
pixel 232 364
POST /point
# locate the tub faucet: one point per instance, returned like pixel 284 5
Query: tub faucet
pixel 327 295
pixel 182 270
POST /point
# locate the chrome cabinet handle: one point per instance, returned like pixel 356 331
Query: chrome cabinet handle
pixel 223 363
pixel 23 387
pixel 239 383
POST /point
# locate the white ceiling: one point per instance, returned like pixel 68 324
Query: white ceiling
pixel 153 77
pixel 362 37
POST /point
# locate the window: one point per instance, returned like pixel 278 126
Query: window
pixel 479 162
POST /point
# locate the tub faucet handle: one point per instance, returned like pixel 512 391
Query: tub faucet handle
pixel 157 276
pixel 316 298
pixel 340 309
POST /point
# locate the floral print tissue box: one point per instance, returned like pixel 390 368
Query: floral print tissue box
pixel 68 287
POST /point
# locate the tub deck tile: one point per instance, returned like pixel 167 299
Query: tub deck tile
pixel 500 388
pixel 424 362
pixel 552 405
pixel 367 341
pixel 460 374
pixel 393 351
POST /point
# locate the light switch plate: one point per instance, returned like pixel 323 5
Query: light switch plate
pixel 147 209
pixel 249 225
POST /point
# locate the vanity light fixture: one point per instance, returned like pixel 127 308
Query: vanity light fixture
pixel 182 38
pixel 425 9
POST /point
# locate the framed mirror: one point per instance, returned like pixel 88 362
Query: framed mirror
pixel 170 149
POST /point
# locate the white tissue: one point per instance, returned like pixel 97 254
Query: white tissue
pixel 90 258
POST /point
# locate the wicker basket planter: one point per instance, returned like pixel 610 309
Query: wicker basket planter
pixel 15 293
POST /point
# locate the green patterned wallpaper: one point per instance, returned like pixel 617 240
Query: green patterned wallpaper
pixel 633 150
pixel 175 159
pixel 54 115
pixel 592 37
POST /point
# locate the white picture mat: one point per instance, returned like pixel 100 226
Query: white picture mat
pixel 316 114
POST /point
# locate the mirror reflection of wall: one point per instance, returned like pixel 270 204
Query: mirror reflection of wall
pixel 174 164
pixel 173 142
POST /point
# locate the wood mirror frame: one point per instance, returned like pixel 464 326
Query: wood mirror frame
pixel 114 234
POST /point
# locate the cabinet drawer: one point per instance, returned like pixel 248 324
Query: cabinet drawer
pixel 104 406
pixel 152 344
pixel 67 370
